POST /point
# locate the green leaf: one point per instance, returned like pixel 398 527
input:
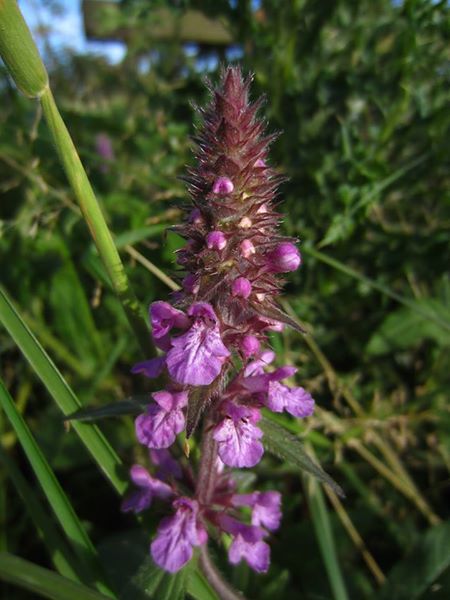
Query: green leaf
pixel 280 442
pixel 61 506
pixel 152 582
pixel 131 406
pixel 198 587
pixel 431 315
pixel 43 582
pixel 411 577
pixel 63 395
pixel 57 547
pixel 123 555
pixel 405 327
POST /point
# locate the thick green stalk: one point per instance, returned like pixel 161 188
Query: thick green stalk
pixel 94 218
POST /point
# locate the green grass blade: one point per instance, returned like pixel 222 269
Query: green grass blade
pixel 59 551
pixel 43 582
pixel 61 506
pixel 336 264
pixel 428 560
pixel 90 435
pixel 324 533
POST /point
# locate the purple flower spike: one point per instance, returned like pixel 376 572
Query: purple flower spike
pixel 216 240
pixel 177 535
pixel 163 421
pixel 284 258
pixel 149 488
pixel 238 437
pixel 247 544
pixel 241 287
pixel 296 401
pixel 164 317
pixel 150 368
pixel 223 186
pixel 196 357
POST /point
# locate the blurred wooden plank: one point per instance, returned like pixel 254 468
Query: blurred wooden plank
pixel 101 18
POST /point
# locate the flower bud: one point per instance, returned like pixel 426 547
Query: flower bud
pixel 284 258
pixel 223 186
pixel 250 345
pixel 195 217
pixel 191 284
pixel 247 248
pixel 241 287
pixel 216 240
pixel 245 223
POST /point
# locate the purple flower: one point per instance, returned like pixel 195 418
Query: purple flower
pixel 257 366
pixel 222 186
pixel 196 357
pixel 164 317
pixel 150 368
pixel 284 258
pixel 238 437
pixel 247 544
pixel 163 421
pixel 177 535
pixel 191 284
pixel 216 240
pixel 168 466
pixel 149 488
pixel 296 401
pixel 105 150
pixel 266 508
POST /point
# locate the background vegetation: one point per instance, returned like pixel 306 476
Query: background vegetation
pixel 359 91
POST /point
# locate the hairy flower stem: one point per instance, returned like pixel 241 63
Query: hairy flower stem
pixel 223 589
pixel 207 472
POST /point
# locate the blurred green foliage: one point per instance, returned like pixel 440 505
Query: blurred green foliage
pixel 360 92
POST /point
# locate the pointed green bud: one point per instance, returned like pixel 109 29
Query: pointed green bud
pixel 19 52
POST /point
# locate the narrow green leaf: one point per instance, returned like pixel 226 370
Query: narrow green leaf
pixel 131 406
pixel 43 582
pixel 324 532
pixel 64 512
pixel 280 442
pixel 95 220
pixel 63 395
pixel 57 547
pixel 411 577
